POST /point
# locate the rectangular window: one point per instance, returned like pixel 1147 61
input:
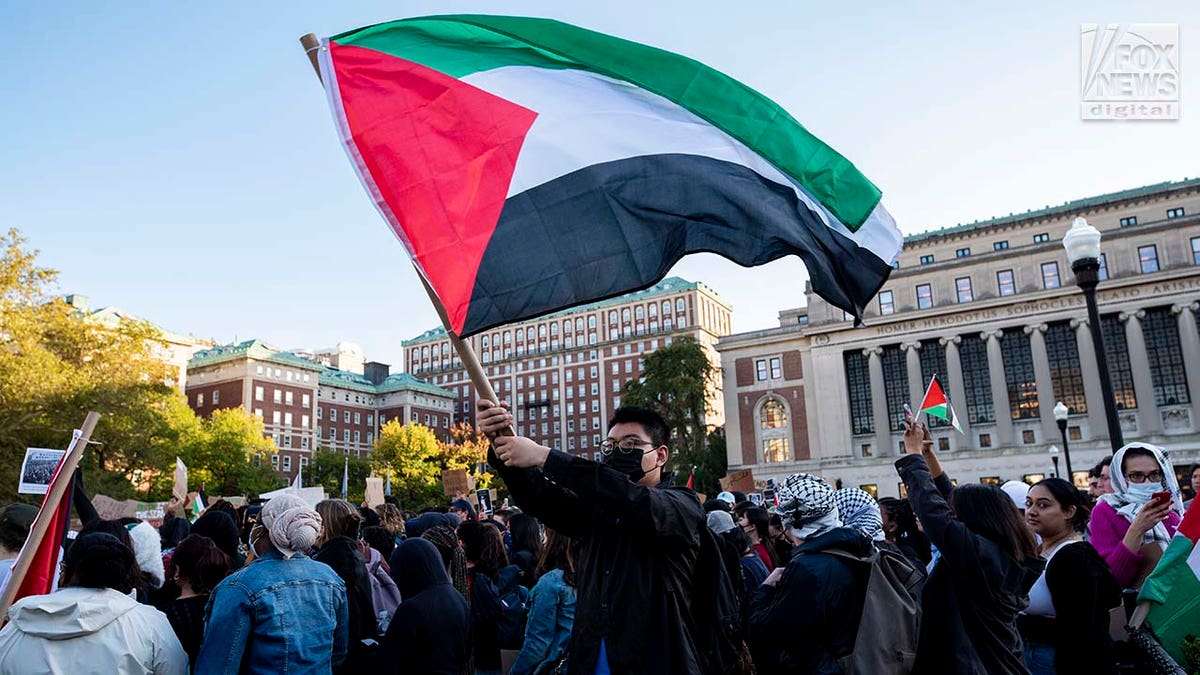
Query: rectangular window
pixel 933 362
pixel 357 436
pixel 1165 352
pixel 287 462
pixel 1019 375
pixel 1028 437
pixel 1000 245
pixel 972 354
pixel 1148 258
pixel 924 296
pixel 304 421
pixel 927 259
pixel 277 395
pixel 775 450
pixel 216 397
pixel 287 398
pixel 258 412
pixel 962 287
pixel 258 393
pixel 776 368
pixel 287 443
pixel 199 400
pixel 1041 238
pixel 1129 221
pixel 985 440
pixel 275 417
pixel 895 384
pixel 346 435
pixel 1103 272
pixel 321 413
pixel 1196 250
pixel 1066 373
pixel 305 400
pixel 760 370
pixel 1175 213
pixel 887 304
pixel 287 419
pixel 962 253
pixel 358 418
pixel 346 416
pixel 1005 282
pixel 1050 275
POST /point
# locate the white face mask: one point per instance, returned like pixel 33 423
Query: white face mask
pixel 1140 493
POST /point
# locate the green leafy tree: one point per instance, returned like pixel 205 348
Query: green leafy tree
pixel 231 456
pixel 468 450
pixel 676 382
pixel 325 470
pixel 414 457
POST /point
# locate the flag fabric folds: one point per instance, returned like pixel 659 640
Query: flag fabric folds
pixel 528 165
pixel 42 575
pixel 345 477
pixel 936 405
pixel 1173 588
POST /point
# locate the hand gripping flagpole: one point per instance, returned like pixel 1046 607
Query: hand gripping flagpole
pixel 312 44
pixel 46 514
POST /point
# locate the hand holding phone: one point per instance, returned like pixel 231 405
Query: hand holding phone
pixel 1159 498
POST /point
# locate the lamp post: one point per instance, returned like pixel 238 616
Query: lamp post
pixel 1082 243
pixel 1060 416
pixel 1054 458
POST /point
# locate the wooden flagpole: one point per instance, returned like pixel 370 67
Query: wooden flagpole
pixel 312 44
pixel 54 497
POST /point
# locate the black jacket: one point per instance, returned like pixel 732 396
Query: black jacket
pixel 638 551
pixel 485 621
pixel 809 620
pixel 431 632
pixel 970 602
pixel 341 554
pixel 1083 590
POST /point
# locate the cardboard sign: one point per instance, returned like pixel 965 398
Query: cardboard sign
pixel 374 493
pixel 455 482
pixel 37 470
pixel 741 480
pixel 755 498
pixel 179 490
pixel 485 500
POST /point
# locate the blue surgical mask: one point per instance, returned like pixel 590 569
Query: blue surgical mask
pixel 1139 493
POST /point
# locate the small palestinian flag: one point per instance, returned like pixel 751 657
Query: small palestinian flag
pixel 529 166
pixel 935 404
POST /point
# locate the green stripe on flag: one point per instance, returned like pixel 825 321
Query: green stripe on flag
pixel 459 45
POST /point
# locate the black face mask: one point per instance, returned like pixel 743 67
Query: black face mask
pixel 628 463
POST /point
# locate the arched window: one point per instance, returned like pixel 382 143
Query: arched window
pixel 612 316
pixel 639 311
pixel 579 323
pixel 666 306
pixel 625 314
pixel 774 430
pixel 679 305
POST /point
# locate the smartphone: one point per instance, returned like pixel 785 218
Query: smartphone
pixel 1160 497
pixel 908 413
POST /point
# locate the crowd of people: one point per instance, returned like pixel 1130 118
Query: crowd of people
pixel 609 567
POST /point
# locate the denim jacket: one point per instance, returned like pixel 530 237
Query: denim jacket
pixel 276 615
pixel 548 628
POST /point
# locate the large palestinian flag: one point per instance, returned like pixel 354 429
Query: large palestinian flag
pixel 529 165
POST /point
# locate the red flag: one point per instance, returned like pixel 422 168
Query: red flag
pixel 39 579
pixel 691 485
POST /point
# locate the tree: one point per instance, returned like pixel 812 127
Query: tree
pixel 56 364
pixel 231 456
pixel 676 381
pixel 325 470
pixel 468 450
pixel 414 457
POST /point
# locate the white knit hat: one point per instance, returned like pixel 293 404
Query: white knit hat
pixel 147 546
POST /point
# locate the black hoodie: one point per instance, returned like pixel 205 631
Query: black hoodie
pixel 431 632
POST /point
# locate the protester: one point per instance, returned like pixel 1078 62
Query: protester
pixel 463 509
pixel 391 520
pixel 552 611
pixel 91 624
pixel 282 613
pixel 380 539
pixel 1195 485
pixel 1016 491
pixel 986 566
pixel 727 497
pixel 220 527
pixel 1103 478
pixel 783 545
pixel 171 532
pixel 337 546
pixel 639 539
pixel 455 561
pixel 805 616
pixel 147 546
pixel 1129 527
pixel 197 566
pixel 751 570
pixel 756 523
pixel 15 522
pixel 1066 625
pixel 368 517
pixel 484 551
pixel 526 547
pixel 430 633
pixel 859 510
pixel 901 530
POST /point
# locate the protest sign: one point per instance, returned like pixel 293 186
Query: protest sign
pixel 37 470
pixel 374 492
pixel 455 482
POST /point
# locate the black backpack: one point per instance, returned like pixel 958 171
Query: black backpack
pixel 721 647
pixel 514 606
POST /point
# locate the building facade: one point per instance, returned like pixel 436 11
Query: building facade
pixel 992 309
pixel 563 372
pixel 305 404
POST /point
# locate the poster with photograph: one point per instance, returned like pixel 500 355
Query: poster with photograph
pixel 37 470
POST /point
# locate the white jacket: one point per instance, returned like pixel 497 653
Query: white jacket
pixel 88 630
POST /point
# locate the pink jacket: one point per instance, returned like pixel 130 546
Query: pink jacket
pixel 1108 528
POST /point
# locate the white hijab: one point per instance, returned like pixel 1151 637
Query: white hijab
pixel 1126 503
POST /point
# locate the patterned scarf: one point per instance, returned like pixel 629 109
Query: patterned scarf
pixel 859 510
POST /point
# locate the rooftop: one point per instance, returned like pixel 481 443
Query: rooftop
pixel 1065 209
pixel 668 285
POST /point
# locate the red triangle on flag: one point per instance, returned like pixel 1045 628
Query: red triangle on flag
pixel 934 396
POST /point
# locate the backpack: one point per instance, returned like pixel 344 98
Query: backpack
pixel 385 594
pixel 716 611
pixel 514 606
pixel 886 639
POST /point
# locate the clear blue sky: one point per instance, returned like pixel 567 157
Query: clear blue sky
pixel 179 161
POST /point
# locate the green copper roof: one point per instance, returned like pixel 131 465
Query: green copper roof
pixel 668 285
pixel 399 382
pixel 1070 208
pixel 253 349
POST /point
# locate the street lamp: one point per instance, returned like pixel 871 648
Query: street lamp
pixel 1060 416
pixel 1054 458
pixel 1082 242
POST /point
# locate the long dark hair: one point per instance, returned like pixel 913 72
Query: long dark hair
pixel 1067 496
pixel 483 546
pixel 761 520
pixel 557 554
pixel 198 560
pixel 907 532
pixel 526 534
pixel 988 512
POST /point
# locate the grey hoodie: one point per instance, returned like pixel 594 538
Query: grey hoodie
pixel 88 630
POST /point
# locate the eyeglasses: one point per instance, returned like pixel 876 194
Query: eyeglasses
pixel 1139 477
pixel 625 445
